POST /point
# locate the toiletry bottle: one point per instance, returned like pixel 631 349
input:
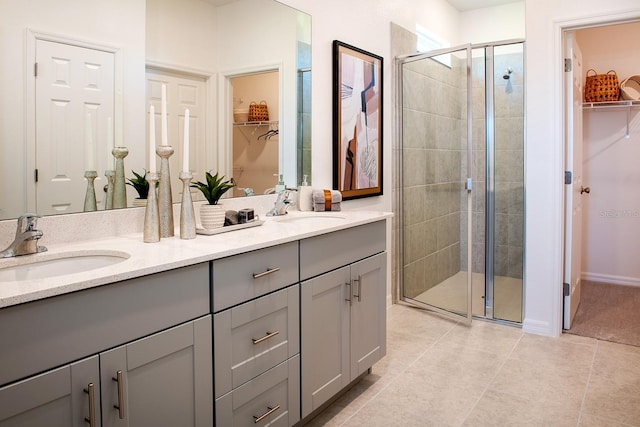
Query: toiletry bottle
pixel 304 195
pixel 280 187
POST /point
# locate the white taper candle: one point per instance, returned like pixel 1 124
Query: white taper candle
pixel 185 150
pixel 164 115
pixel 152 140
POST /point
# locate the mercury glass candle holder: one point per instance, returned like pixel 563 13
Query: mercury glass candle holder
pixel 151 233
pixel 165 201
pixel 119 187
pixel 110 174
pixel 90 195
pixel 187 214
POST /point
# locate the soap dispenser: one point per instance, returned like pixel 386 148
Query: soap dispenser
pixel 304 195
pixel 280 187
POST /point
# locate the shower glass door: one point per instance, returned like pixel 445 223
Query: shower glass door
pixel 435 117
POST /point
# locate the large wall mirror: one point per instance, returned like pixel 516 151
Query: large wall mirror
pixel 102 64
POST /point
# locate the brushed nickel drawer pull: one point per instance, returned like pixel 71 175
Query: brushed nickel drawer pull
pixel 120 405
pixel 264 273
pixel 91 419
pixel 271 410
pixel 266 337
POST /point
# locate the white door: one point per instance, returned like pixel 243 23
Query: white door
pixel 74 93
pixel 573 191
pixel 183 91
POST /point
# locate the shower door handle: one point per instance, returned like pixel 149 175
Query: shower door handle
pixel 468 185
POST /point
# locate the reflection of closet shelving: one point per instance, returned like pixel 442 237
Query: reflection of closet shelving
pixel 255 125
pixel 627 105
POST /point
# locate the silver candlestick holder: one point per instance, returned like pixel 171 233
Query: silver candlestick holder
pixel 165 201
pixel 90 195
pixel 151 233
pixel 110 174
pixel 119 187
pixel 187 215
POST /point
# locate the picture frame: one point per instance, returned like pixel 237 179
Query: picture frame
pixel 357 121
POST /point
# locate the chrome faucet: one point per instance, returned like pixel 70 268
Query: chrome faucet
pixel 27 236
pixel 282 203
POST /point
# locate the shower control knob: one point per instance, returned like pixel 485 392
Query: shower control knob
pixel 585 190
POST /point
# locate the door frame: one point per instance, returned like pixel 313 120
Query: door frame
pixel 32 37
pixel 561 26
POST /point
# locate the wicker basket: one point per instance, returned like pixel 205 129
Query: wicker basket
pixel 258 112
pixel 601 87
pixel 630 88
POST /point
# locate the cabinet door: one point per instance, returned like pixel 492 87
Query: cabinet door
pixel 368 313
pixel 324 314
pixel 164 379
pixel 55 398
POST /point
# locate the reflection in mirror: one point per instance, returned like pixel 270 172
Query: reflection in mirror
pixel 66 123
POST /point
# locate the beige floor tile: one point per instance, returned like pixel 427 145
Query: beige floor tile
pixel 587 420
pixel 501 409
pixel 484 336
pixel 542 383
pixel 614 386
pixel 422 403
pixel 417 322
pixel 578 353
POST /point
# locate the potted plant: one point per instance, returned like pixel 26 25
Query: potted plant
pixel 212 213
pixel 140 184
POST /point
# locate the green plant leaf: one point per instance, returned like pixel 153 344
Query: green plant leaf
pixel 214 188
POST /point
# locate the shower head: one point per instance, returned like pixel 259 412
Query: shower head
pixel 507 73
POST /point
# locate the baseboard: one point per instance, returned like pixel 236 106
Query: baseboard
pixel 614 280
pixel 537 327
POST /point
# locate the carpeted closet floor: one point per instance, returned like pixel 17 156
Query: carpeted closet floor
pixel 608 312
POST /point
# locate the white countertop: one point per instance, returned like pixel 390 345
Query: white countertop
pixel 171 253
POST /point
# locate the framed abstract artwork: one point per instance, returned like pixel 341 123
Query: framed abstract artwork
pixel 357 122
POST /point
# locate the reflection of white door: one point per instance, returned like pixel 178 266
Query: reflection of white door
pixel 573 163
pixel 74 100
pixel 183 91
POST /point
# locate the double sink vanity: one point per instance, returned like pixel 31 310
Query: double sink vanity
pixel 260 326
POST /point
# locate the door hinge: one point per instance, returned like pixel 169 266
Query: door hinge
pixel 568 177
pixel 35 69
pixel 35 175
pixel 567 65
pixel 566 289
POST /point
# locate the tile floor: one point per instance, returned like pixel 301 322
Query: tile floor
pixel 438 372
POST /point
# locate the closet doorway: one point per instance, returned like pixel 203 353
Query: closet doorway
pixel 602 277
pixel 462 185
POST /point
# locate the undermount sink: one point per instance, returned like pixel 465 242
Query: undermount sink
pixel 312 217
pixel 42 266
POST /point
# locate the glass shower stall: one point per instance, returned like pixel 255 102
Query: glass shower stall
pixel 461 185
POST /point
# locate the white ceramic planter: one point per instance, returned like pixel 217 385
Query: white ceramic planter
pixel 211 216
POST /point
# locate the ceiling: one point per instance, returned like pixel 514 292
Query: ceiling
pixel 464 5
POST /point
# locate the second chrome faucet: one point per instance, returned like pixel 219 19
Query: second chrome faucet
pixel 26 239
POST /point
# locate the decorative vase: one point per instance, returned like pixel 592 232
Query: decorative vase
pixel 211 216
pixel 139 203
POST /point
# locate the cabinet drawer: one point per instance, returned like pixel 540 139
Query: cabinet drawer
pixel 254 337
pixel 333 250
pixel 274 395
pixel 44 334
pixel 243 277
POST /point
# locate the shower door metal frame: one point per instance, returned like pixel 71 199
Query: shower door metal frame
pixel 400 60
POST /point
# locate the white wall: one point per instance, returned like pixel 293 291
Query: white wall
pixel 611 220
pixel 491 24
pixel 544 149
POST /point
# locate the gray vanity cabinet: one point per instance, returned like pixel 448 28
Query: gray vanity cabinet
pixel 343 312
pixel 58 398
pixel 162 380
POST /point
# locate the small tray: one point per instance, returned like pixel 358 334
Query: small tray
pixel 228 228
